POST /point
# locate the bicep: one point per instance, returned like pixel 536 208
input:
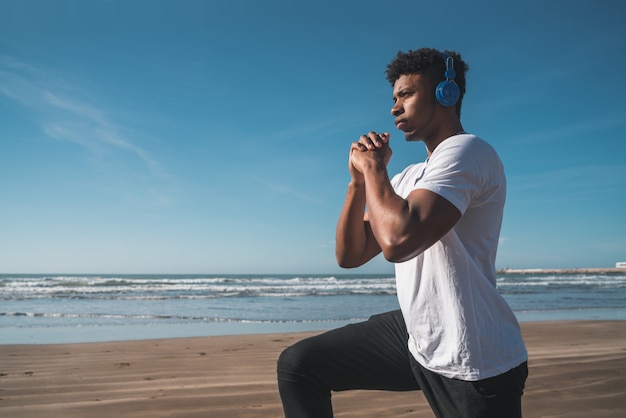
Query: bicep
pixel 430 217
pixel 436 215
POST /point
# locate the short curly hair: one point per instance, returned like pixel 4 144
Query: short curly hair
pixel 430 63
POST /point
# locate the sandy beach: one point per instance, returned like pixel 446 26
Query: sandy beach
pixel 577 369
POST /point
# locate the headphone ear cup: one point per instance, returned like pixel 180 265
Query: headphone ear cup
pixel 447 93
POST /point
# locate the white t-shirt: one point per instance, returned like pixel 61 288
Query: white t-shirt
pixel 458 323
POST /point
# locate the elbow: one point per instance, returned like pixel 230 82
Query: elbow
pixel 395 256
pixel 345 265
pixel 346 262
pixel 392 251
pixel 398 251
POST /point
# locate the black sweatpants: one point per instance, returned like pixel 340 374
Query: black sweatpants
pixel 374 355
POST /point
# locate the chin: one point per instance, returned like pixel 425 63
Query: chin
pixel 411 137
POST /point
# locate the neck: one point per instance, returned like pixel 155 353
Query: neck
pixel 444 133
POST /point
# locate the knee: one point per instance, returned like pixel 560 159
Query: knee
pixel 292 360
pixel 301 392
pixel 298 369
pixel 303 361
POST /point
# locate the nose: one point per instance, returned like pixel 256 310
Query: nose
pixel 396 109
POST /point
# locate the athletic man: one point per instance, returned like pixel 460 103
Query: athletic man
pixel 454 338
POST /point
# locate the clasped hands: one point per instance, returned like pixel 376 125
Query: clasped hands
pixel 370 149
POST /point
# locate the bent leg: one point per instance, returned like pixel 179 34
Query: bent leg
pixel 367 355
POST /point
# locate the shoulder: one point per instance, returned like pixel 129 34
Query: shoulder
pixel 465 144
pixel 466 152
pixel 462 169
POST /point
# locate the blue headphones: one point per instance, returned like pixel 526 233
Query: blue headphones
pixel 447 92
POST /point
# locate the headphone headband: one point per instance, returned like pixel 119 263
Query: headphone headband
pixel 450 73
pixel 447 92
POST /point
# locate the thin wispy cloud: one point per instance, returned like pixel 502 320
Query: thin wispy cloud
pixel 282 190
pixel 61 115
pixel 574 183
pixel 579 127
pixel 323 127
pixel 274 190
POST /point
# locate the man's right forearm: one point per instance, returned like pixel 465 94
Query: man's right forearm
pixel 355 244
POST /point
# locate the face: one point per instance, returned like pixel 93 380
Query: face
pixel 415 107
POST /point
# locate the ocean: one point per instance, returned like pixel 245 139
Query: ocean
pixel 54 308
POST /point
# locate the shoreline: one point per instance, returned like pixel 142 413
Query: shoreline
pixel 594 270
pixel 137 332
pixel 576 370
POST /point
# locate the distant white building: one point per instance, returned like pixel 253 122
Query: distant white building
pixel 620 265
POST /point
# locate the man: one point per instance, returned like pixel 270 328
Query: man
pixel 454 338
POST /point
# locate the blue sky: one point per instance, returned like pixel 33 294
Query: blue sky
pixel 212 136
